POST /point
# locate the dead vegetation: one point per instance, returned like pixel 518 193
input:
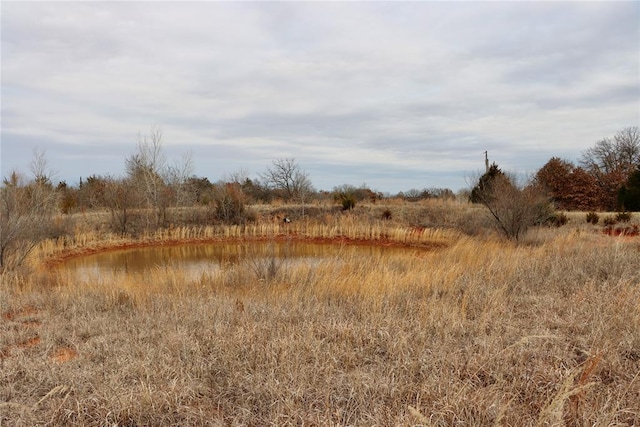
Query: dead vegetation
pixel 479 331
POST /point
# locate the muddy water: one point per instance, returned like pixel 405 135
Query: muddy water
pixel 193 260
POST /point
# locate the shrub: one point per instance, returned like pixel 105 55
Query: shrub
pixel 558 219
pixel 513 208
pixel 593 218
pixel 547 215
pixel 266 269
pixel 552 219
pixel 386 215
pixel 623 216
pixel 348 202
pixel 229 203
pixel 609 221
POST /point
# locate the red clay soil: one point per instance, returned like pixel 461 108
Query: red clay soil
pixel 64 354
pixel 31 342
pixel 629 231
pixel 29 310
pixel 24 318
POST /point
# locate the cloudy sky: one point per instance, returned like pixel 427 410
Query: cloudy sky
pixel 394 95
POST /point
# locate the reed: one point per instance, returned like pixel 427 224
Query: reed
pixel 346 228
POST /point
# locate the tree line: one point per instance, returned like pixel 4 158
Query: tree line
pixel 607 179
pixel 156 192
pixel 153 192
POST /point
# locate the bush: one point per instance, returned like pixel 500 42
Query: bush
pixel 386 215
pixel 558 219
pixel 550 218
pixel 547 215
pixel 609 221
pixel 623 216
pixel 27 213
pixel 593 218
pixel 229 202
pixel 513 208
pixel 347 200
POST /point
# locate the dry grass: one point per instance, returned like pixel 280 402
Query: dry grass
pixel 476 332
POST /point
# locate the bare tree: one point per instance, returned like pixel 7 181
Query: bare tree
pixel 160 184
pixel 287 177
pixel 628 144
pixel 39 167
pixel 26 212
pixel 239 177
pixel 146 169
pixel 91 192
pixel 177 176
pixel 612 160
pixel 121 198
pixel 513 208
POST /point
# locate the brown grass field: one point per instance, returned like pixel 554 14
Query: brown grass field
pixel 458 330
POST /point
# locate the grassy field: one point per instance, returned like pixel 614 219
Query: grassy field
pixel 468 330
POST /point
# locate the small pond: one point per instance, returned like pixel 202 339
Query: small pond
pixel 193 260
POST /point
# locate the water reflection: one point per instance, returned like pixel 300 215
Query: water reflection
pixel 196 259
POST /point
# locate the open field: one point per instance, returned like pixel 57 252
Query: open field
pixel 474 330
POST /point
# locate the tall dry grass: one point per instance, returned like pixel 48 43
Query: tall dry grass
pixel 476 332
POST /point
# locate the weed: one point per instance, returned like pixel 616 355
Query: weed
pixel 623 216
pixel 347 200
pixel 592 218
pixel 557 219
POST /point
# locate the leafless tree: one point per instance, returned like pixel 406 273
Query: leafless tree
pixel 160 183
pixel 609 155
pixel 146 169
pixel 91 193
pixel 612 160
pixel 513 208
pixel 122 197
pixel 177 175
pixel 287 177
pixel 26 212
pixel 238 177
pixel 178 189
pixel 39 167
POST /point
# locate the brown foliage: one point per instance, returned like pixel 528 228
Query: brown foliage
pixel 583 192
pixel 571 188
pixel 611 161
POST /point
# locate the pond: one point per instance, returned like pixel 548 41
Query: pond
pixel 194 260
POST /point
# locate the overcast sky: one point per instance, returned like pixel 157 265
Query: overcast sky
pixel 394 95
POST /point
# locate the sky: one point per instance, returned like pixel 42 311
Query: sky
pixel 391 95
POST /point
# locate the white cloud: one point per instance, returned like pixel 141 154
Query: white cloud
pixel 407 91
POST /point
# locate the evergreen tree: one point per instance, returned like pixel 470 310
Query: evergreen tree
pixel 486 181
pixel 629 193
